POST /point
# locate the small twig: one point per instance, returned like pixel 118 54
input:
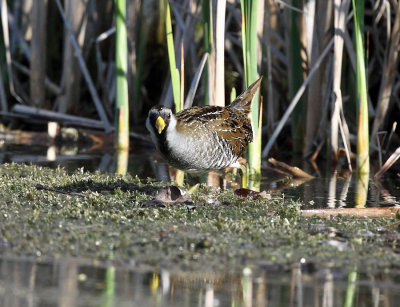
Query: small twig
pixel 347 149
pixel 315 154
pixel 389 162
pixel 383 212
pixel 291 7
pixel 394 126
pixel 378 143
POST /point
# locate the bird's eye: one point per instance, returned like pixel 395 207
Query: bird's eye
pixel 168 116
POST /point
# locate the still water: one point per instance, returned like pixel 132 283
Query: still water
pixel 66 282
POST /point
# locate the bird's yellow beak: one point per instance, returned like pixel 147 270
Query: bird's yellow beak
pixel 160 124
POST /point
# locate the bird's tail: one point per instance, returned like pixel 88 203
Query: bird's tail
pixel 243 101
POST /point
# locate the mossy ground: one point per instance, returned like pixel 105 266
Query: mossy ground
pixel 101 216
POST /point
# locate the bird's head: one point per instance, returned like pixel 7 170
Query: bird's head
pixel 159 119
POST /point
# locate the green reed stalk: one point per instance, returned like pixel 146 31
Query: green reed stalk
pixel 122 161
pixel 361 190
pixel 362 133
pixel 175 78
pixel 121 63
pixel 249 42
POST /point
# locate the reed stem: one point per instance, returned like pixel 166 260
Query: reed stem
pixel 175 78
pixel 362 133
pixel 249 45
pixel 121 63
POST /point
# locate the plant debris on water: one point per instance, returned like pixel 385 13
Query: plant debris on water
pixel 49 213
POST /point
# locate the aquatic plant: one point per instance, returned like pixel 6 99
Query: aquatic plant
pixel 362 93
pixel 174 72
pixel 250 64
pixel 121 63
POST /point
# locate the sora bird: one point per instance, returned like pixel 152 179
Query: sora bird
pixel 204 138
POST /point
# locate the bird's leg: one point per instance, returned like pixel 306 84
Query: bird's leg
pixel 179 177
pixel 244 172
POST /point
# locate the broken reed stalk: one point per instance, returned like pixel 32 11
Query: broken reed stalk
pixel 378 212
pixel 316 22
pixel 6 39
pixel 391 61
pixel 77 18
pixel 295 100
pixel 38 54
pixel 85 72
pixel 220 52
pixel 293 170
pixel 340 13
pixel 362 133
pixel 121 63
pixel 182 75
pixel 195 82
pixel 207 41
pixel 249 47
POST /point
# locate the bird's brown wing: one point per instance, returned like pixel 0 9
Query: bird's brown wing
pixel 224 124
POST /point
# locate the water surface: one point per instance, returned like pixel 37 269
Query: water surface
pixel 70 282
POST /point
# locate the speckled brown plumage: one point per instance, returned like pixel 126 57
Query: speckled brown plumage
pixel 204 138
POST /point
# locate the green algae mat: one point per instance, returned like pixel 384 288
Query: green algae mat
pixel 46 213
